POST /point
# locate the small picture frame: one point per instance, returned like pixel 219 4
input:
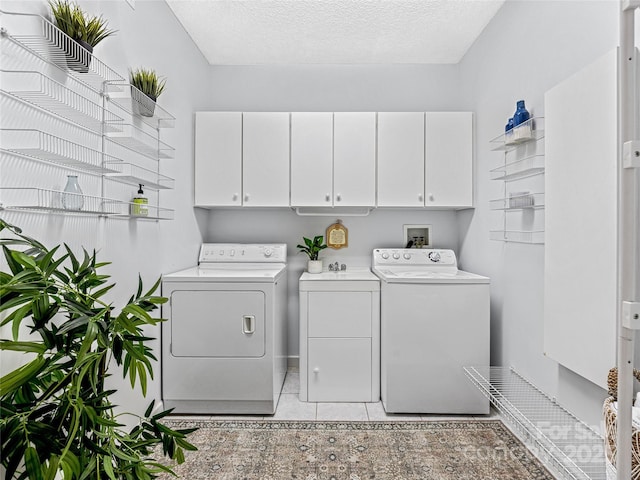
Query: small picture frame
pixel 337 236
pixel 417 236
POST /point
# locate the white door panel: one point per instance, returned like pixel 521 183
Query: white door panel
pixel 265 159
pixel 354 159
pixel 217 323
pixel 218 159
pixel 311 159
pixel 400 159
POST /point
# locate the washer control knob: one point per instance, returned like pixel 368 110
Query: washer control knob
pixel 385 255
pixel 434 257
pixel 407 256
pixel 268 252
pixel 396 256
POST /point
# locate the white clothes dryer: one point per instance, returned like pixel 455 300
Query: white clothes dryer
pixel 224 342
pixel 434 321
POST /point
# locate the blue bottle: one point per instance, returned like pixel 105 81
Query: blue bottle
pixel 509 125
pixel 521 115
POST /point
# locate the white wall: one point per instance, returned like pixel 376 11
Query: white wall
pixel 526 49
pixel 147 36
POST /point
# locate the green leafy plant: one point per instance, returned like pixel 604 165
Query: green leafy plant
pixel 147 81
pixel 312 247
pixel 56 416
pixel 79 25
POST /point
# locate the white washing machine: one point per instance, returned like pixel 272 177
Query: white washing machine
pixel 434 321
pixel 224 345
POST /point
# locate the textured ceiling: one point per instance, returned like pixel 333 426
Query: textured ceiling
pixel 249 32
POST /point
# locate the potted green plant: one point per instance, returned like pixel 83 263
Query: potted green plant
pixel 57 418
pixel 84 30
pixel 147 81
pixel 312 248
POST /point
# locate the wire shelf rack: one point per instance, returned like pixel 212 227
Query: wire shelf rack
pixel 132 174
pixel 568 446
pixel 518 236
pixel 49 148
pixel 56 201
pixel 52 45
pixel 53 97
pixel 139 141
pixel 526 132
pixel 133 101
pixel 144 212
pixel 521 201
pixel 523 168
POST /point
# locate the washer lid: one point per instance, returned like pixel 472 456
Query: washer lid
pixel 229 272
pixel 419 275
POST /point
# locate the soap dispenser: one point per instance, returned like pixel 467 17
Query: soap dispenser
pixel 139 207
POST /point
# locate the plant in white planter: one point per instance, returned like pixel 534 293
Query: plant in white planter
pixel 312 248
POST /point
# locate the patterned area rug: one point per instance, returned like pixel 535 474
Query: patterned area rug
pixel 276 450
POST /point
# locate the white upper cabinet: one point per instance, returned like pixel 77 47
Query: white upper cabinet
pixel 242 159
pixel 218 159
pixel 326 159
pixel 401 159
pixel 354 159
pixel 449 159
pixel 311 159
pixel 265 159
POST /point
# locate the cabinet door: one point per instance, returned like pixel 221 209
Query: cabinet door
pixel 354 159
pixel 449 159
pixel 340 314
pixel 311 159
pixel 339 370
pixel 218 159
pixel 265 159
pixel 400 159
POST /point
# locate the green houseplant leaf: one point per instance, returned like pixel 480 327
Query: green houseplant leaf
pixel 78 24
pixel 313 247
pixel 56 416
pixel 147 81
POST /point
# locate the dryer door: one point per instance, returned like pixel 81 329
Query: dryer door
pixel 217 323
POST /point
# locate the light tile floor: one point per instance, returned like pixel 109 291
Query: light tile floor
pixel 291 408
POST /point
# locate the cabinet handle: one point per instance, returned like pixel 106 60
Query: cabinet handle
pixel 339 197
pixel 248 324
pixel 235 197
pixel 420 197
pixel 316 370
pixel 431 197
pixel 246 197
pixel 327 197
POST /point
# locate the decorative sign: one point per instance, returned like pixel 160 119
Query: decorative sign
pixel 337 235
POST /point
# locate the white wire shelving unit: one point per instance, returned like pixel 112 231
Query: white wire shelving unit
pixel 523 157
pixel 43 68
pixel 566 445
